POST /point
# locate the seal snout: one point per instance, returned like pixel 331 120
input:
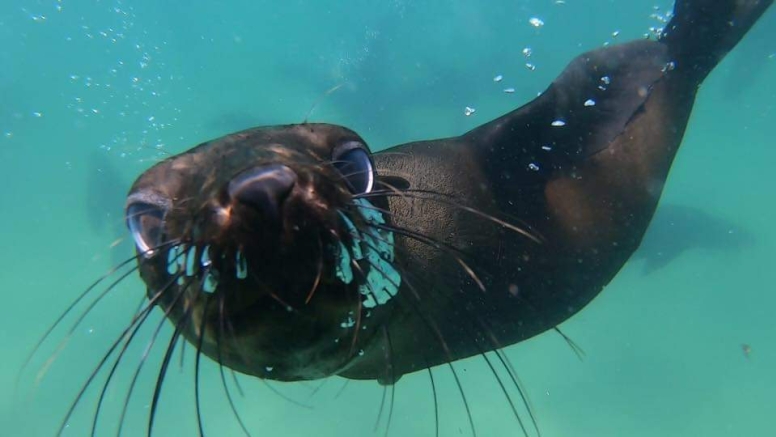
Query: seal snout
pixel 264 188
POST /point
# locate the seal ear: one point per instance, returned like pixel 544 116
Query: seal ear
pixel 395 182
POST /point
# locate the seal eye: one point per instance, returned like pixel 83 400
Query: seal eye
pixel 145 225
pixel 353 161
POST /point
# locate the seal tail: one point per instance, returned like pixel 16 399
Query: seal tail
pixel 702 32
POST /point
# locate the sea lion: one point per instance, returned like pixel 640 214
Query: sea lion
pixel 293 253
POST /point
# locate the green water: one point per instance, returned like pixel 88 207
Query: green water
pixel 111 82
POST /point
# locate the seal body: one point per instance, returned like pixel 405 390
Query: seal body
pixel 582 166
pixel 292 253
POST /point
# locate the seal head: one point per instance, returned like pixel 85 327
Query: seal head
pixel 256 249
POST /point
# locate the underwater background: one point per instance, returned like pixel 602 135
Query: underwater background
pixel 681 343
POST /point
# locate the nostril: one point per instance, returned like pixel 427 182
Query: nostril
pixel 264 188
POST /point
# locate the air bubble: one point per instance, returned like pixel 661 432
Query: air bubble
pixel 536 22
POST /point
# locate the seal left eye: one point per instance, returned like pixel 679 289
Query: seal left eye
pixel 145 225
pixel 352 160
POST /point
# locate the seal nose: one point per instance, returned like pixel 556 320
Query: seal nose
pixel 264 188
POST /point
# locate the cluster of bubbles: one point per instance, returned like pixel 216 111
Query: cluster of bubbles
pixel 121 83
pixel 658 14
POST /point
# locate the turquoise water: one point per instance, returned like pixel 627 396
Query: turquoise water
pixel 90 91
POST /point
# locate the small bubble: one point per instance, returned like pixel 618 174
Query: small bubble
pixel 558 123
pixel 536 22
pixel 498 78
pixel 509 90
pixel 37 114
pixel 589 102
pixel 530 66
pixel 469 111
pixel 527 52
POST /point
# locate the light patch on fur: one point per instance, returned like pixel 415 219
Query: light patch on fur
pixel 377 247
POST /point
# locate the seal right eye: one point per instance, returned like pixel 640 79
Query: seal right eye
pixel 145 225
pixel 353 161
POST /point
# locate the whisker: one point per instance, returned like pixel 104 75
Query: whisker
pixel 182 355
pixel 382 408
pixel 271 294
pixel 284 396
pixel 342 389
pixel 319 272
pixel 393 190
pixel 182 323
pixel 435 329
pixel 578 351
pixel 318 388
pixel 221 329
pixel 415 194
pixel 389 353
pixel 482 353
pixel 442 342
pixel 359 309
pixel 138 320
pixel 237 383
pixel 64 314
pixel 436 402
pixel 85 312
pixel 317 101
pixel 496 347
pixel 437 245
pixel 507 364
pixel 123 351
pixel 197 360
pixel 463 397
pixel 150 345
pixel 504 390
